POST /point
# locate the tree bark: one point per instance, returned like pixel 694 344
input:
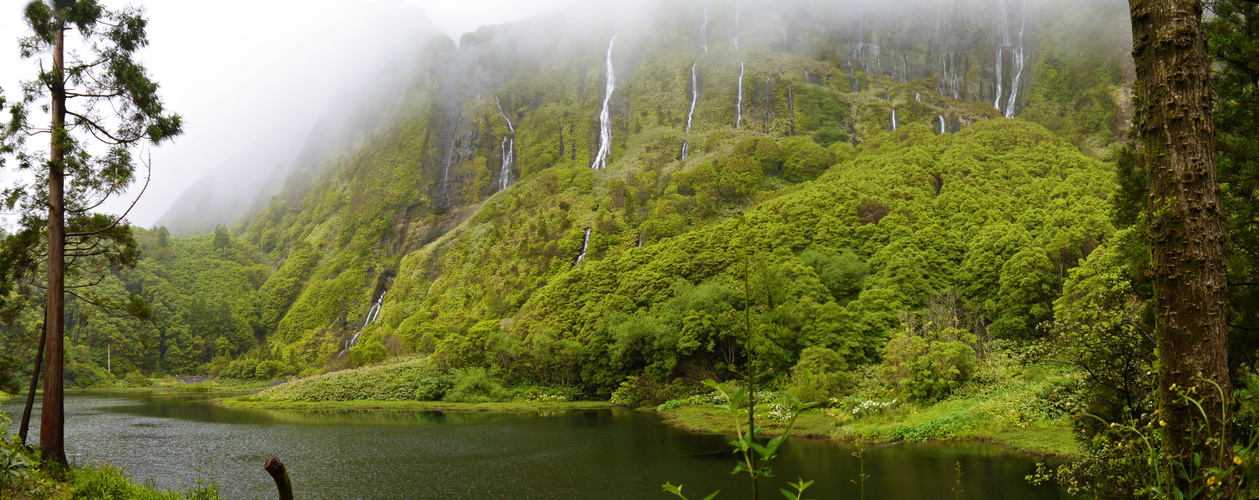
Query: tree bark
pixel 30 395
pixel 51 416
pixel 1186 228
pixel 275 468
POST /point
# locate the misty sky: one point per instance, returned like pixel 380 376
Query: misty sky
pixel 251 77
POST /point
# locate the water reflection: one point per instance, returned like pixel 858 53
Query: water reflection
pixel 173 439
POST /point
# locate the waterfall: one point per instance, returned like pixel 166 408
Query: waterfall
pixel 504 172
pixel 949 82
pixel 893 119
pixel 941 124
pixel 703 29
pixel 686 150
pixel 1018 64
pixel 996 101
pixel 584 243
pixel 508 148
pixel 605 117
pixel 1005 42
pixel 694 97
pixel 738 108
pixel 371 316
pixel 917 97
pixel 806 77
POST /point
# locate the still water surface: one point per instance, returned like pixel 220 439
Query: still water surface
pixel 173 440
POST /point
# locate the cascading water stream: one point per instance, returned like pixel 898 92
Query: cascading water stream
pixel 371 316
pixel 941 124
pixel 738 108
pixel 703 29
pixel 1005 42
pixel 605 116
pixel 694 97
pixel 690 115
pixel 508 150
pixel 1018 64
pixel 893 119
pixel 584 243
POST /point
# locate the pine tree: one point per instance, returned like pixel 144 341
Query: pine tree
pixel 101 106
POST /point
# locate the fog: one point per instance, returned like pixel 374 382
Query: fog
pixel 252 79
pixel 268 86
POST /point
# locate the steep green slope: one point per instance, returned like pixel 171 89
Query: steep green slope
pixel 850 227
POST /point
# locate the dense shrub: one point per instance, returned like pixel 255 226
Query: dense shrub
pixel 931 365
pixel 475 385
pixel 820 374
pixel 638 391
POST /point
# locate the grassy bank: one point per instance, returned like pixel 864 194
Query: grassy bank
pixel 1026 408
pixel 251 402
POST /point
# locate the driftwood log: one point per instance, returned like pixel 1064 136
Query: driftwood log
pixel 282 482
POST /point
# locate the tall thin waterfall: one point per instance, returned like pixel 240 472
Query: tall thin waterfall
pixel 738 107
pixel 371 316
pixel 605 116
pixel 1005 42
pixel 690 115
pixel 508 149
pixel 703 29
pixel 1018 64
pixel 941 124
pixel 996 101
pixel 584 243
pixel 694 97
pixel 893 119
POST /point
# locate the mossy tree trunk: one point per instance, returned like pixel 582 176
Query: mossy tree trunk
pixel 1186 231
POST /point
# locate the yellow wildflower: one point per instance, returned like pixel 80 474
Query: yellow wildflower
pixel 1237 460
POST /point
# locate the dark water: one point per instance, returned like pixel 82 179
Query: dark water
pixel 173 440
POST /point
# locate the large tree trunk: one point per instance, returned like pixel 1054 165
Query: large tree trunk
pixel 51 416
pixel 1186 233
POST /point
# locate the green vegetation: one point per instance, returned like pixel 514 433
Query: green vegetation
pixel 990 284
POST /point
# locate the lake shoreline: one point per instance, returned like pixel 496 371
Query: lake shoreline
pixel 815 425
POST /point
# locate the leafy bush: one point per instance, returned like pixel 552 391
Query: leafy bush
pixel 638 391
pixel 269 369
pixel 394 380
pixel 819 375
pixel 929 366
pixel 433 385
pixel 475 385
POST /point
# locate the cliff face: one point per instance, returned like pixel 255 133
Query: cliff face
pixel 468 205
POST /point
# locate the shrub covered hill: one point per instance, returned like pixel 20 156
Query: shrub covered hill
pixel 850 168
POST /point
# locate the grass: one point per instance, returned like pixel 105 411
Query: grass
pixel 251 402
pixel 1025 408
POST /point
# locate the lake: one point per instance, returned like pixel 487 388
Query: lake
pixel 175 439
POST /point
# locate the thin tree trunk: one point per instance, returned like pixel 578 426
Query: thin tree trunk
pixel 30 394
pixel 1186 233
pixel 52 418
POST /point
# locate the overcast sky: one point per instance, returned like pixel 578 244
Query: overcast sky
pixel 251 77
